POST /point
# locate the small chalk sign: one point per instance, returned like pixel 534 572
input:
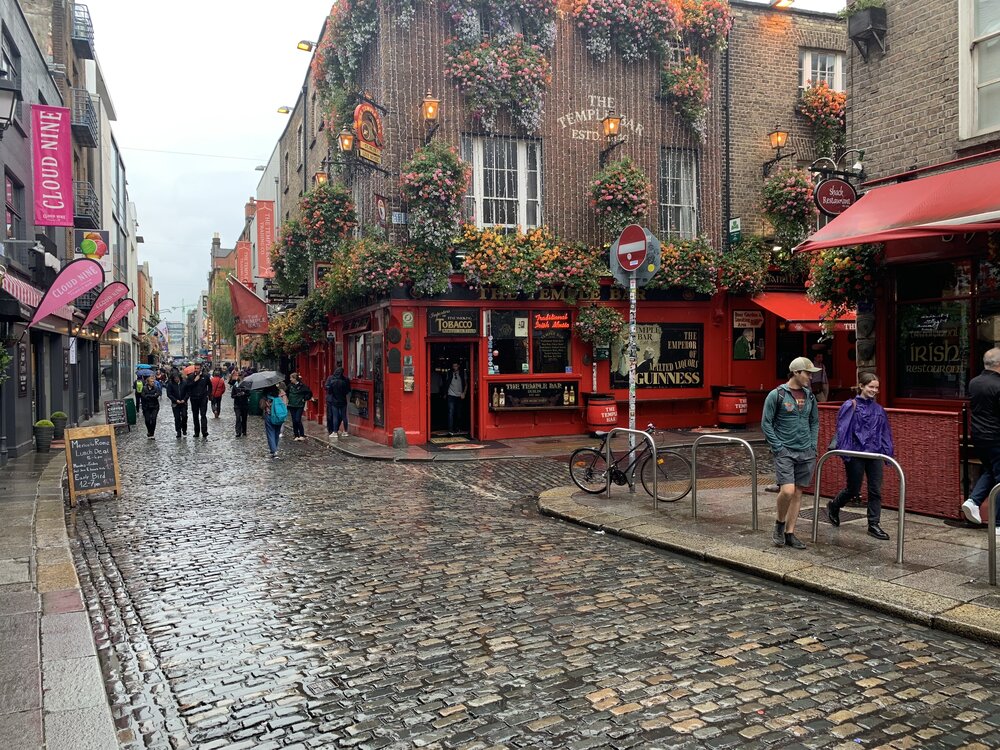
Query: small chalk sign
pixel 114 413
pixel 92 461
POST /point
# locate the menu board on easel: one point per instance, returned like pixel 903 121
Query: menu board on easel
pixel 92 461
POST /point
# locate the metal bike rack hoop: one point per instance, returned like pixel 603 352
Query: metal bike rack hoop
pixel 694 473
pixel 652 446
pixel 991 508
pixel 902 492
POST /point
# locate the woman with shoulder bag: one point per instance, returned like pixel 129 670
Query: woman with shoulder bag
pixel 862 425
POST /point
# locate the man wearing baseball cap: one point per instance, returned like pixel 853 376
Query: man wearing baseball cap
pixel 790 423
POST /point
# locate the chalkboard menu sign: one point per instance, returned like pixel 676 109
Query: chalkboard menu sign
pixel 114 413
pixel 92 461
pixel 534 395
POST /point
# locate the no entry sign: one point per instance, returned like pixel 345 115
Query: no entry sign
pixel 631 247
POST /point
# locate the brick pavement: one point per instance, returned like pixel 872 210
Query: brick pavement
pixel 325 601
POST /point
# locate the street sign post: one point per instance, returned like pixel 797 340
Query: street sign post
pixel 735 230
pixel 634 260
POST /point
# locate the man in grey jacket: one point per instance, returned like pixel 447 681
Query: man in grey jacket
pixel 790 422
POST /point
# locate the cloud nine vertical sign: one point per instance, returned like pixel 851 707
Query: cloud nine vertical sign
pixel 51 143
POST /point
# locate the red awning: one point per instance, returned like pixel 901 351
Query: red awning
pixel 963 200
pixel 801 313
pixel 26 294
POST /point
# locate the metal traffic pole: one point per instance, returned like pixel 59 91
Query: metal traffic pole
pixel 631 366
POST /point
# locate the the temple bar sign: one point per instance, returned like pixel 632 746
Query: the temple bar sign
pixel 585 124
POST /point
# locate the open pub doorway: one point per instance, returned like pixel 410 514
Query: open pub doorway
pixel 443 358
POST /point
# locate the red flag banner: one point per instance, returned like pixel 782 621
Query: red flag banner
pixel 108 296
pixel 244 271
pixel 121 310
pixel 52 161
pixel 265 238
pixel 77 277
pixel 249 310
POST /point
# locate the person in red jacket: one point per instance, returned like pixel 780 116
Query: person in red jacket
pixel 218 390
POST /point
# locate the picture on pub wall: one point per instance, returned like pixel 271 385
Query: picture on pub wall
pixel 668 355
pixel 748 334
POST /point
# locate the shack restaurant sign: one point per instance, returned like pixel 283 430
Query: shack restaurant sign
pixel 834 196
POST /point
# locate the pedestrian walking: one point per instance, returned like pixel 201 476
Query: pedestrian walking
pixel 790 423
pixel 338 388
pixel 274 404
pixel 199 388
pixel 177 393
pixel 218 388
pixel 241 403
pixel 455 388
pixel 862 425
pixel 149 398
pixel 984 403
pixel 298 394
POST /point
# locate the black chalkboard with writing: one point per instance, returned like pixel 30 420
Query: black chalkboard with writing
pixel 114 412
pixel 92 461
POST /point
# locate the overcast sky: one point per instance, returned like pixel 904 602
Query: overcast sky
pixel 195 85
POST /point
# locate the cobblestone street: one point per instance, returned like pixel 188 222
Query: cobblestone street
pixel 324 601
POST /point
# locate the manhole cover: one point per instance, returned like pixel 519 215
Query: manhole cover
pixel 320 688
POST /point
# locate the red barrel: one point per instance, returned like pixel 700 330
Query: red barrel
pixel 733 407
pixel 602 412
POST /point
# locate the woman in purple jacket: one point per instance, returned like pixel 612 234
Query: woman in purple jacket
pixel 862 425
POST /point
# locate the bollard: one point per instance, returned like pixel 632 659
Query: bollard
pixel 399 438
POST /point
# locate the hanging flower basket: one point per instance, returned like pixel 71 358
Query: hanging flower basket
pixel 707 22
pixel 787 203
pixel 843 278
pixel 743 268
pixel 826 111
pixel 686 84
pixel 598 324
pixel 433 183
pixel 635 28
pixel 691 264
pixel 619 195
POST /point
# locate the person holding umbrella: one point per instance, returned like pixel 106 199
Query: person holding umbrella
pixel 198 390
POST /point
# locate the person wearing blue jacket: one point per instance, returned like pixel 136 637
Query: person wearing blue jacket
pixel 862 425
pixel 790 423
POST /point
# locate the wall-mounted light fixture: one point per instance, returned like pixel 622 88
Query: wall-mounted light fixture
pixel 778 138
pixel 430 111
pixel 345 141
pixel 10 93
pixel 611 127
pixel 306 46
pixel 782 4
pixel 284 109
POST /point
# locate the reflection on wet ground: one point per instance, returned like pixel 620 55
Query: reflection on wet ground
pixel 322 601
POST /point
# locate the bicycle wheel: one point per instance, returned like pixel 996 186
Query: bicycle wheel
pixel 673 478
pixel 588 469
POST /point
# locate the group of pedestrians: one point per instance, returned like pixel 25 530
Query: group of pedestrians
pixel 195 390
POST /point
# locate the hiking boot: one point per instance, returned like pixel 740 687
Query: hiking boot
pixel 876 531
pixel 971 512
pixel 834 513
pixel 793 541
pixel 778 535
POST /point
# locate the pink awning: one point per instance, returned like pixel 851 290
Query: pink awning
pixel 28 295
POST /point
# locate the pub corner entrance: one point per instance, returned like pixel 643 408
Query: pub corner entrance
pixel 441 358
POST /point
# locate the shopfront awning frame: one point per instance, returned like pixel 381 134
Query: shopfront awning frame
pixel 801 313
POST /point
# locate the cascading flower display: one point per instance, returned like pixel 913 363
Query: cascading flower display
pixel 496 77
pixel 826 111
pixel 787 203
pixel 433 182
pixel 328 216
pixel 351 26
pixel 691 264
pixel 844 277
pixel 636 28
pixel 598 324
pixel 743 268
pixel 686 83
pixel 707 23
pixel 619 195
pixel 290 257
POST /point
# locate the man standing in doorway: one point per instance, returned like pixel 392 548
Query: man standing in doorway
pixel 790 422
pixel 456 389
pixel 984 402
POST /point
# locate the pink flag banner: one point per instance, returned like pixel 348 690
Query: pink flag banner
pixel 77 277
pixel 52 165
pixel 124 308
pixel 108 296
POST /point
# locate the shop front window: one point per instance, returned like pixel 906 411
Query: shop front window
pixel 550 337
pixel 932 349
pixel 359 353
pixel 510 341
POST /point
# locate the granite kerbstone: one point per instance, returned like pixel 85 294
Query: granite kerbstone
pixel 72 683
pixel 971 620
pixel 67 636
pixel 88 728
pixel 766 564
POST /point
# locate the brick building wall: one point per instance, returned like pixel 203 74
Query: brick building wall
pixel 904 107
pixel 764 49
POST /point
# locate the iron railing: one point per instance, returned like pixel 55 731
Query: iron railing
pixel 86 206
pixel 83 32
pixel 86 127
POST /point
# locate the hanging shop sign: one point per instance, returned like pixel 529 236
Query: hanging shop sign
pixel 833 196
pixel 52 160
pixel 453 321
pixel 244 262
pixel 511 396
pixel 94 244
pixel 265 238
pixel 671 355
pixel 368 131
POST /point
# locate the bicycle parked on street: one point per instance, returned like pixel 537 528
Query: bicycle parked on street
pixel 589 470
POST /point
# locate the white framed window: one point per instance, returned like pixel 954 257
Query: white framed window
pixel 678 193
pixel 506 185
pixel 979 67
pixel 817 65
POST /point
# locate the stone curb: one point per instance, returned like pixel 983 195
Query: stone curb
pixel 924 608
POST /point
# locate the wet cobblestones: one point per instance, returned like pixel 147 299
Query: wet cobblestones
pixel 321 601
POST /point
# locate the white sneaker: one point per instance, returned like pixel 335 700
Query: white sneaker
pixel 345 434
pixel 971 512
pixel 333 436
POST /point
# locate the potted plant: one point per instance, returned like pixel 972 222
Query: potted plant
pixel 863 17
pixel 59 419
pixel 599 326
pixel 43 435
